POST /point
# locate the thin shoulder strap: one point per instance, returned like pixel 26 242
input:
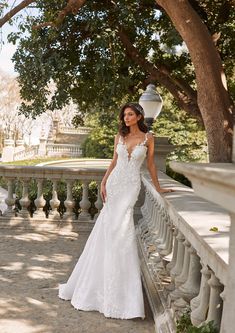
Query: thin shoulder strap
pixel 146 138
pixel 120 140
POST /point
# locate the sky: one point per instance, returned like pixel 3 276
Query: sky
pixel 7 49
pixel 6 52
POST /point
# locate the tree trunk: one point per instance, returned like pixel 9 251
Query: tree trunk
pixel 213 99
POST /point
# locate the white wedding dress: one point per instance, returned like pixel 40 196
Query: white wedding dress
pixel 107 275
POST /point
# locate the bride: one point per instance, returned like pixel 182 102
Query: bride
pixel 107 276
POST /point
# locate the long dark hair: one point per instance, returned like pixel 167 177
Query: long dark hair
pixel 137 108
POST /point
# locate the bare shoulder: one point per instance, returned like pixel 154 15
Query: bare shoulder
pixel 117 137
pixel 150 137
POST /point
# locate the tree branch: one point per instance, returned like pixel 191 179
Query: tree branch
pixel 14 11
pixel 72 7
pixel 186 99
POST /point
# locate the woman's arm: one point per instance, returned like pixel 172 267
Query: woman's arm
pixel 152 167
pixel 110 168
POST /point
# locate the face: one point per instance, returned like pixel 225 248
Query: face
pixel 130 117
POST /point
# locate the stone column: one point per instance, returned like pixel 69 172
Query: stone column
pixel 10 201
pixel 24 201
pixel 191 287
pixel 162 148
pixel 69 202
pixel 84 203
pixel 8 150
pixel 172 263
pixel 54 202
pixel 39 201
pixel 200 304
pixel 215 303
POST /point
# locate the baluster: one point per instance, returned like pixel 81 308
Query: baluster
pixel 199 305
pixel 215 302
pixel 145 228
pixel 98 203
pixel 10 201
pixel 166 247
pixel 176 270
pixel 39 201
pixel 84 203
pixel 191 287
pixel 172 263
pixel 182 278
pixel 69 202
pixel 151 230
pixel 54 202
pixel 24 201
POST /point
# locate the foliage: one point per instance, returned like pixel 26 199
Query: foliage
pixel 61 192
pixel 184 325
pixel 99 143
pixel 185 133
pixel 87 61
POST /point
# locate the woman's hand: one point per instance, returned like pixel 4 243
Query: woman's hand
pixel 103 191
pixel 165 190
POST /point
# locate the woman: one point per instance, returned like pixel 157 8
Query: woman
pixel 107 275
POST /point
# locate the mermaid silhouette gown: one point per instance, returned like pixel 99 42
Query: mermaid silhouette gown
pixel 107 275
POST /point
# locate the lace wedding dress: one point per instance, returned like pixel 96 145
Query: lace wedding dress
pixel 107 276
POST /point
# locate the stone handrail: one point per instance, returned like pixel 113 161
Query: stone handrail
pixel 184 261
pixel 26 153
pixel 70 150
pixel 79 130
pixel 55 174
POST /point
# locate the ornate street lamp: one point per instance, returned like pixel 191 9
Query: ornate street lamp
pixel 151 102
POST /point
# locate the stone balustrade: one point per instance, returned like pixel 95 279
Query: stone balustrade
pixel 70 176
pixel 184 263
pixel 70 130
pixel 30 152
pixel 70 150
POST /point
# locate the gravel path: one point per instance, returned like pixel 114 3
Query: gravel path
pixel 31 266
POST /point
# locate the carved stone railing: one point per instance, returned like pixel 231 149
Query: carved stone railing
pixel 79 130
pixel 184 262
pixel 69 150
pixel 30 152
pixel 26 218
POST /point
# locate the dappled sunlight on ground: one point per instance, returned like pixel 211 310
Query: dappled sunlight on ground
pixel 32 266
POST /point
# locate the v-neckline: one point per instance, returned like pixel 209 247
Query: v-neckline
pixel 129 154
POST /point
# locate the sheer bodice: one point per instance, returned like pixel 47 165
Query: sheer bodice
pixel 127 170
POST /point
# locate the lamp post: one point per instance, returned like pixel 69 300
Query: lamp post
pixel 151 102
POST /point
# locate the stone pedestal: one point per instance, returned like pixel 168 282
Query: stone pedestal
pixel 8 150
pixel 42 147
pixel 162 149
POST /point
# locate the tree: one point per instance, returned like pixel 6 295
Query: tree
pixel 114 41
pixel 12 124
pixel 213 98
